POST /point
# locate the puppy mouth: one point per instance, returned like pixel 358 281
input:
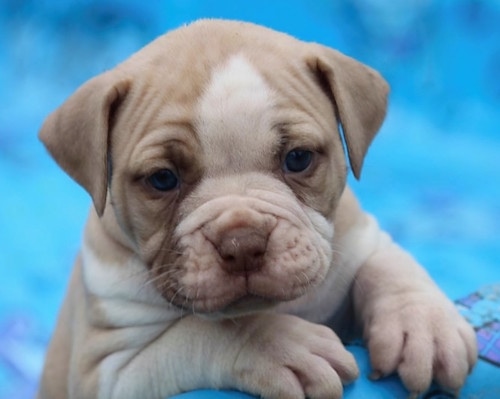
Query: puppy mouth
pixel 236 295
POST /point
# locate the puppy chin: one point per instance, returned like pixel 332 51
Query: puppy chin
pixel 235 302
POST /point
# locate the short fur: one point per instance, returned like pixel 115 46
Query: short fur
pixel 224 280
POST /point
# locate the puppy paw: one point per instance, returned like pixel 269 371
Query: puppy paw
pixel 422 337
pixel 286 357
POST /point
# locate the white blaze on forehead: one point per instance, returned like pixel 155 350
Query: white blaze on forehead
pixel 234 117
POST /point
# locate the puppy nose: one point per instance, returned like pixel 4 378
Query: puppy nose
pixel 242 250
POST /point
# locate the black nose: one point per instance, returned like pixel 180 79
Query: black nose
pixel 242 250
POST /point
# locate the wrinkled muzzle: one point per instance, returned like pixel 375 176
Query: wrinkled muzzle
pixel 239 253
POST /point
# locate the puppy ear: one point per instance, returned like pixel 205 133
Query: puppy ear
pixel 359 95
pixel 77 133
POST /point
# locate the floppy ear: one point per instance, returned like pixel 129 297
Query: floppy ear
pixel 77 133
pixel 359 95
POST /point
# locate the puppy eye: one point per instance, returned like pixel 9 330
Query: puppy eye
pixel 163 180
pixel 297 160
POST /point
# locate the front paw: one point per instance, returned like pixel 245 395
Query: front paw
pixel 422 337
pixel 287 357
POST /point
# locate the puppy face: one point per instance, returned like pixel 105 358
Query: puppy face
pixel 222 162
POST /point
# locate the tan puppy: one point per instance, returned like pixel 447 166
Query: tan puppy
pixel 223 231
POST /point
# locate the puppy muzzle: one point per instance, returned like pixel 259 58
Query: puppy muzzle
pixel 245 252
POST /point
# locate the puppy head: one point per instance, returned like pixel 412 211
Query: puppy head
pixel 216 151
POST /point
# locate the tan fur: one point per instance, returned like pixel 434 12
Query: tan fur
pixel 210 284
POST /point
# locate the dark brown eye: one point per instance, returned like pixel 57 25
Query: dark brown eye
pixel 163 180
pixel 297 160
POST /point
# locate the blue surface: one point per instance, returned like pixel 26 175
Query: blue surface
pixel 431 177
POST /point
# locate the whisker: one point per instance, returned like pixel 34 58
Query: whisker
pixel 306 277
pixel 163 275
pixel 298 279
pixel 175 295
pixel 170 251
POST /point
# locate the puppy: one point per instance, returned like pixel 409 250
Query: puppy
pixel 224 249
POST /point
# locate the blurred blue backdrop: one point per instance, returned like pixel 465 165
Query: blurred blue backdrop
pixel 431 177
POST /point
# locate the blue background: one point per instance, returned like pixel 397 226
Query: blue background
pixel 431 177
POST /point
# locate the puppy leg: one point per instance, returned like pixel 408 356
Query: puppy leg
pixel 271 355
pixel 409 325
